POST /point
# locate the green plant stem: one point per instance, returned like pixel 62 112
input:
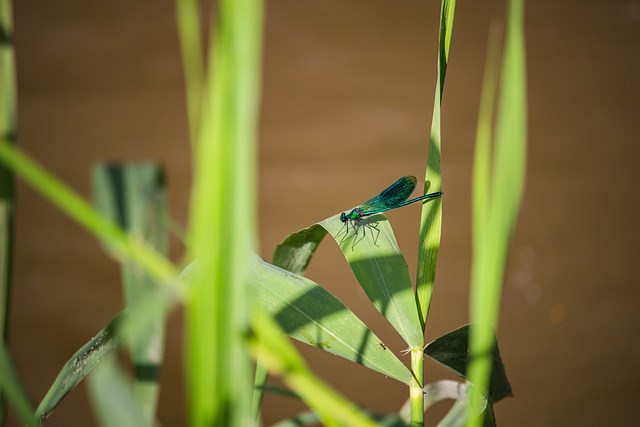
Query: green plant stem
pixel 416 389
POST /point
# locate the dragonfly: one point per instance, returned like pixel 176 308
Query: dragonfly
pixel 394 196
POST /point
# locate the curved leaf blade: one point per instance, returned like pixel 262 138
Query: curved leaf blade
pixel 80 364
pixel 381 270
pixel 451 350
pixel 307 312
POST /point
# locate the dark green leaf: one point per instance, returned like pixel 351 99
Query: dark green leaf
pixel 451 350
pixel 80 364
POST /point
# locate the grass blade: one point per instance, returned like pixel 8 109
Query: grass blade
pixel 490 249
pixel 134 196
pixel 13 388
pixel 431 220
pixel 190 38
pixel 113 398
pixel 80 365
pixel 281 358
pixel 223 220
pixel 123 246
pixel 7 186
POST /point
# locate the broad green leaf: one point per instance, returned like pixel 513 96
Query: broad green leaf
pixel 13 388
pixel 381 270
pixel 279 355
pixel 113 399
pixel 79 366
pixel 134 197
pixel 296 251
pixel 375 259
pixel 134 322
pixel 452 351
pixel 310 314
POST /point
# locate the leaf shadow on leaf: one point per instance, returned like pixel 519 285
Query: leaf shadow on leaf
pixel 307 312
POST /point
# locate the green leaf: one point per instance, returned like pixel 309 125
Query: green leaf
pixel 310 314
pixel 12 387
pixel 281 357
pixel 78 209
pixel 134 197
pixel 431 218
pixel 307 418
pixel 496 205
pixel 79 366
pixel 452 351
pixel 113 399
pixel 376 261
pixel 223 121
pixel 381 270
pixel 296 251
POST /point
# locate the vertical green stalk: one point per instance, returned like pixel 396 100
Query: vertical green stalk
pixel 8 132
pixel 431 222
pixel 497 205
pixel 416 389
pixel 190 38
pixel 222 223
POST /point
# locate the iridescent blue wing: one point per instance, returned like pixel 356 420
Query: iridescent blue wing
pixel 390 198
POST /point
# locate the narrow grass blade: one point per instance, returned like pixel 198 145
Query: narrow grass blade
pixel 7 191
pixel 79 366
pixel 281 358
pixel 431 220
pixel 113 398
pixel 381 270
pixel 123 246
pixel 308 313
pixel 190 38
pixel 134 196
pixel 13 389
pixel 222 220
pixel 491 239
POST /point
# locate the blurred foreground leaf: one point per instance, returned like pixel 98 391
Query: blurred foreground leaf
pixel 113 398
pixel 133 195
pixel 79 366
pixel 310 314
pixel 13 388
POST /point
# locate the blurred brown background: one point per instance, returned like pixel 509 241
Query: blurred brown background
pixel 347 97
